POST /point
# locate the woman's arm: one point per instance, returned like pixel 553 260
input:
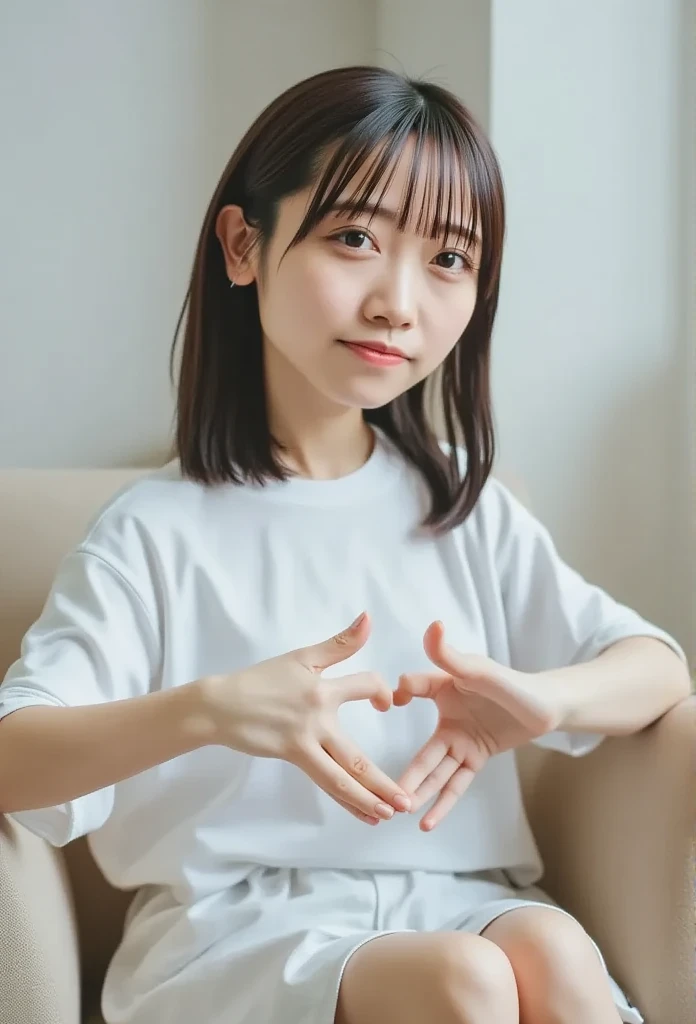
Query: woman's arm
pixel 51 755
pixel 624 689
pixel 624 672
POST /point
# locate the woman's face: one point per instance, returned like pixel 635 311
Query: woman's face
pixel 357 282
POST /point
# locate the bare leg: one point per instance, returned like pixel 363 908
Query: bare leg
pixel 448 977
pixel 560 979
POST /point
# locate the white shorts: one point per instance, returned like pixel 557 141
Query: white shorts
pixel 273 948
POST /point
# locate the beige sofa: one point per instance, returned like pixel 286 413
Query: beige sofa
pixel 616 829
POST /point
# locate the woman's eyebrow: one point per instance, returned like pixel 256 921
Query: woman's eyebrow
pixel 459 231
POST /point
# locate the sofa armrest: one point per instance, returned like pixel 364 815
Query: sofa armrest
pixel 617 832
pixel 39 953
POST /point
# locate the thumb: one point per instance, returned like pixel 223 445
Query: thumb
pixel 440 652
pixel 474 668
pixel 338 648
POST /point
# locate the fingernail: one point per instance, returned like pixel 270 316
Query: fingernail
pixel 369 819
pixel 354 625
pixel 384 810
pixel 402 803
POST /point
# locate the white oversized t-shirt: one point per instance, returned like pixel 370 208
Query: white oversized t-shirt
pixel 175 581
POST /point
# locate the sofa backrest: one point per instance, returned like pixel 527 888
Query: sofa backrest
pixel 43 515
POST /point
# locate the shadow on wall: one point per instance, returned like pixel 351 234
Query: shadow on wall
pixel 627 515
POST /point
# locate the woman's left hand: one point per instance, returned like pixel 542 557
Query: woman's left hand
pixel 485 709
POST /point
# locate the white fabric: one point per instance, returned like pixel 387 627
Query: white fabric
pixel 273 948
pixel 174 581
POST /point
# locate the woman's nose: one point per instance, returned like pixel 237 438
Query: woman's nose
pixel 393 303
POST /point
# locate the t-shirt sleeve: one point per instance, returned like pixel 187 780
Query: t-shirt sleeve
pixel 554 617
pixel 94 641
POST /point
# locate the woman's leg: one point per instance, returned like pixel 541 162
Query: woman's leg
pixel 448 977
pixel 560 978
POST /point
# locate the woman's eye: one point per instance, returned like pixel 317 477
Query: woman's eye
pixel 353 239
pixel 450 261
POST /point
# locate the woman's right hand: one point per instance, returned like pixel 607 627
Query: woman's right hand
pixel 283 708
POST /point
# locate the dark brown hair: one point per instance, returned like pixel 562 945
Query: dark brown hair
pixel 320 133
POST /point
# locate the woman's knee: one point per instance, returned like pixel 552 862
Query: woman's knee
pixel 472 971
pixel 554 940
pixel 552 954
pixel 450 977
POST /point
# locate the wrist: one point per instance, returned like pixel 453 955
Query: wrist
pixel 552 694
pixel 193 714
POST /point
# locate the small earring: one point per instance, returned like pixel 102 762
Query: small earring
pixel 232 283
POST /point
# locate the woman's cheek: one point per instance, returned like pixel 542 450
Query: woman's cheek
pixel 335 299
pixel 453 320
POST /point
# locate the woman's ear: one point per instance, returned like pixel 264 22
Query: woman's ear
pixel 236 238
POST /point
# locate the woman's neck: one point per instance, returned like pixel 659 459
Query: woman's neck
pixel 324 449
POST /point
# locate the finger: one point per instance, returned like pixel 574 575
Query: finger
pixel 339 784
pixel 361 686
pixel 435 782
pixel 358 814
pixel 453 791
pixel 425 761
pixel 338 648
pixel 351 758
pixel 419 684
pixel 401 698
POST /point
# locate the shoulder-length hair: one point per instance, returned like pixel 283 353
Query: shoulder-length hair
pixel 320 133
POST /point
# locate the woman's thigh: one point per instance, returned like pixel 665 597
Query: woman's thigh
pixel 412 978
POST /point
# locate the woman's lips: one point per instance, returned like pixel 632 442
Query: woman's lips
pixel 376 354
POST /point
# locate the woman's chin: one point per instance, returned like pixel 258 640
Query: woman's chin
pixel 362 392
pixel 364 398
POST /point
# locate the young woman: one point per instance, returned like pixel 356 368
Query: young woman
pixel 323 822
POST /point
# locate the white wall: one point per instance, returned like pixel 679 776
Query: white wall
pixel 117 120
pixel 591 344
pixel 100 192
pixel 688 253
